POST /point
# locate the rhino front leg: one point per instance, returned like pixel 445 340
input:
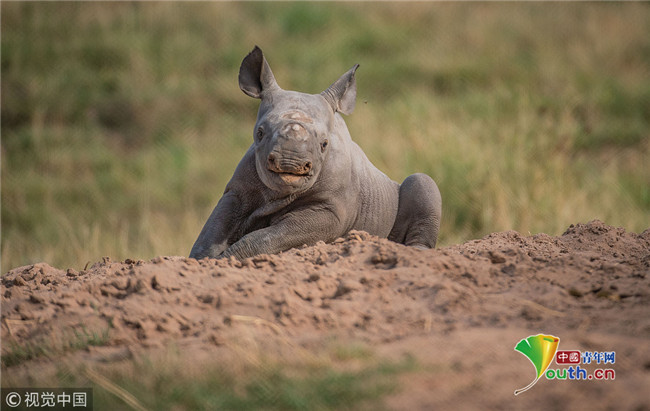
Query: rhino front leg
pixel 292 230
pixel 418 213
pixel 222 223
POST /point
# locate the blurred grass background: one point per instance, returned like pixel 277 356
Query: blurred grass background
pixel 122 122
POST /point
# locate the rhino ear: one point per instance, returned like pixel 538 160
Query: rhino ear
pixel 255 75
pixel 342 95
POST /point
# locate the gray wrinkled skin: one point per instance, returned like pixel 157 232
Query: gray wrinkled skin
pixel 304 180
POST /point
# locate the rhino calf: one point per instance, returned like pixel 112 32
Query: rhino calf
pixel 304 180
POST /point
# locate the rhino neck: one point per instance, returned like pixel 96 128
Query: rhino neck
pixel 377 195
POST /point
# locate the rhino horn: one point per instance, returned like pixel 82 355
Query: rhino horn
pixel 255 75
pixel 342 94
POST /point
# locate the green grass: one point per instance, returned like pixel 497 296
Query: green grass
pixel 122 123
pixel 271 387
pixel 236 380
pixel 74 340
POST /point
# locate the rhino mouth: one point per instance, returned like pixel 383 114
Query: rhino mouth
pixel 290 176
pixel 289 171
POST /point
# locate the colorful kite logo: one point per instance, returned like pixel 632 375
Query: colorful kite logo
pixel 540 350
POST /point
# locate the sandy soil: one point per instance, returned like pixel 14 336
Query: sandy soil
pixel 458 310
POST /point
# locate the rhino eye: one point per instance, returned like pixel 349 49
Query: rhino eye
pixel 259 133
pixel 323 145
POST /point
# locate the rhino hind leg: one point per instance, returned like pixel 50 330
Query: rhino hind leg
pixel 418 213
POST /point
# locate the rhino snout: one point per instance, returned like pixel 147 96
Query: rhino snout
pixel 286 165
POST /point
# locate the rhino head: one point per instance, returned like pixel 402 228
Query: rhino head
pixel 292 135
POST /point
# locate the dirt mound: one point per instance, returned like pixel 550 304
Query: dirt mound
pixel 462 308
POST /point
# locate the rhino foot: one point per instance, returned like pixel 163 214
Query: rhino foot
pixel 418 213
